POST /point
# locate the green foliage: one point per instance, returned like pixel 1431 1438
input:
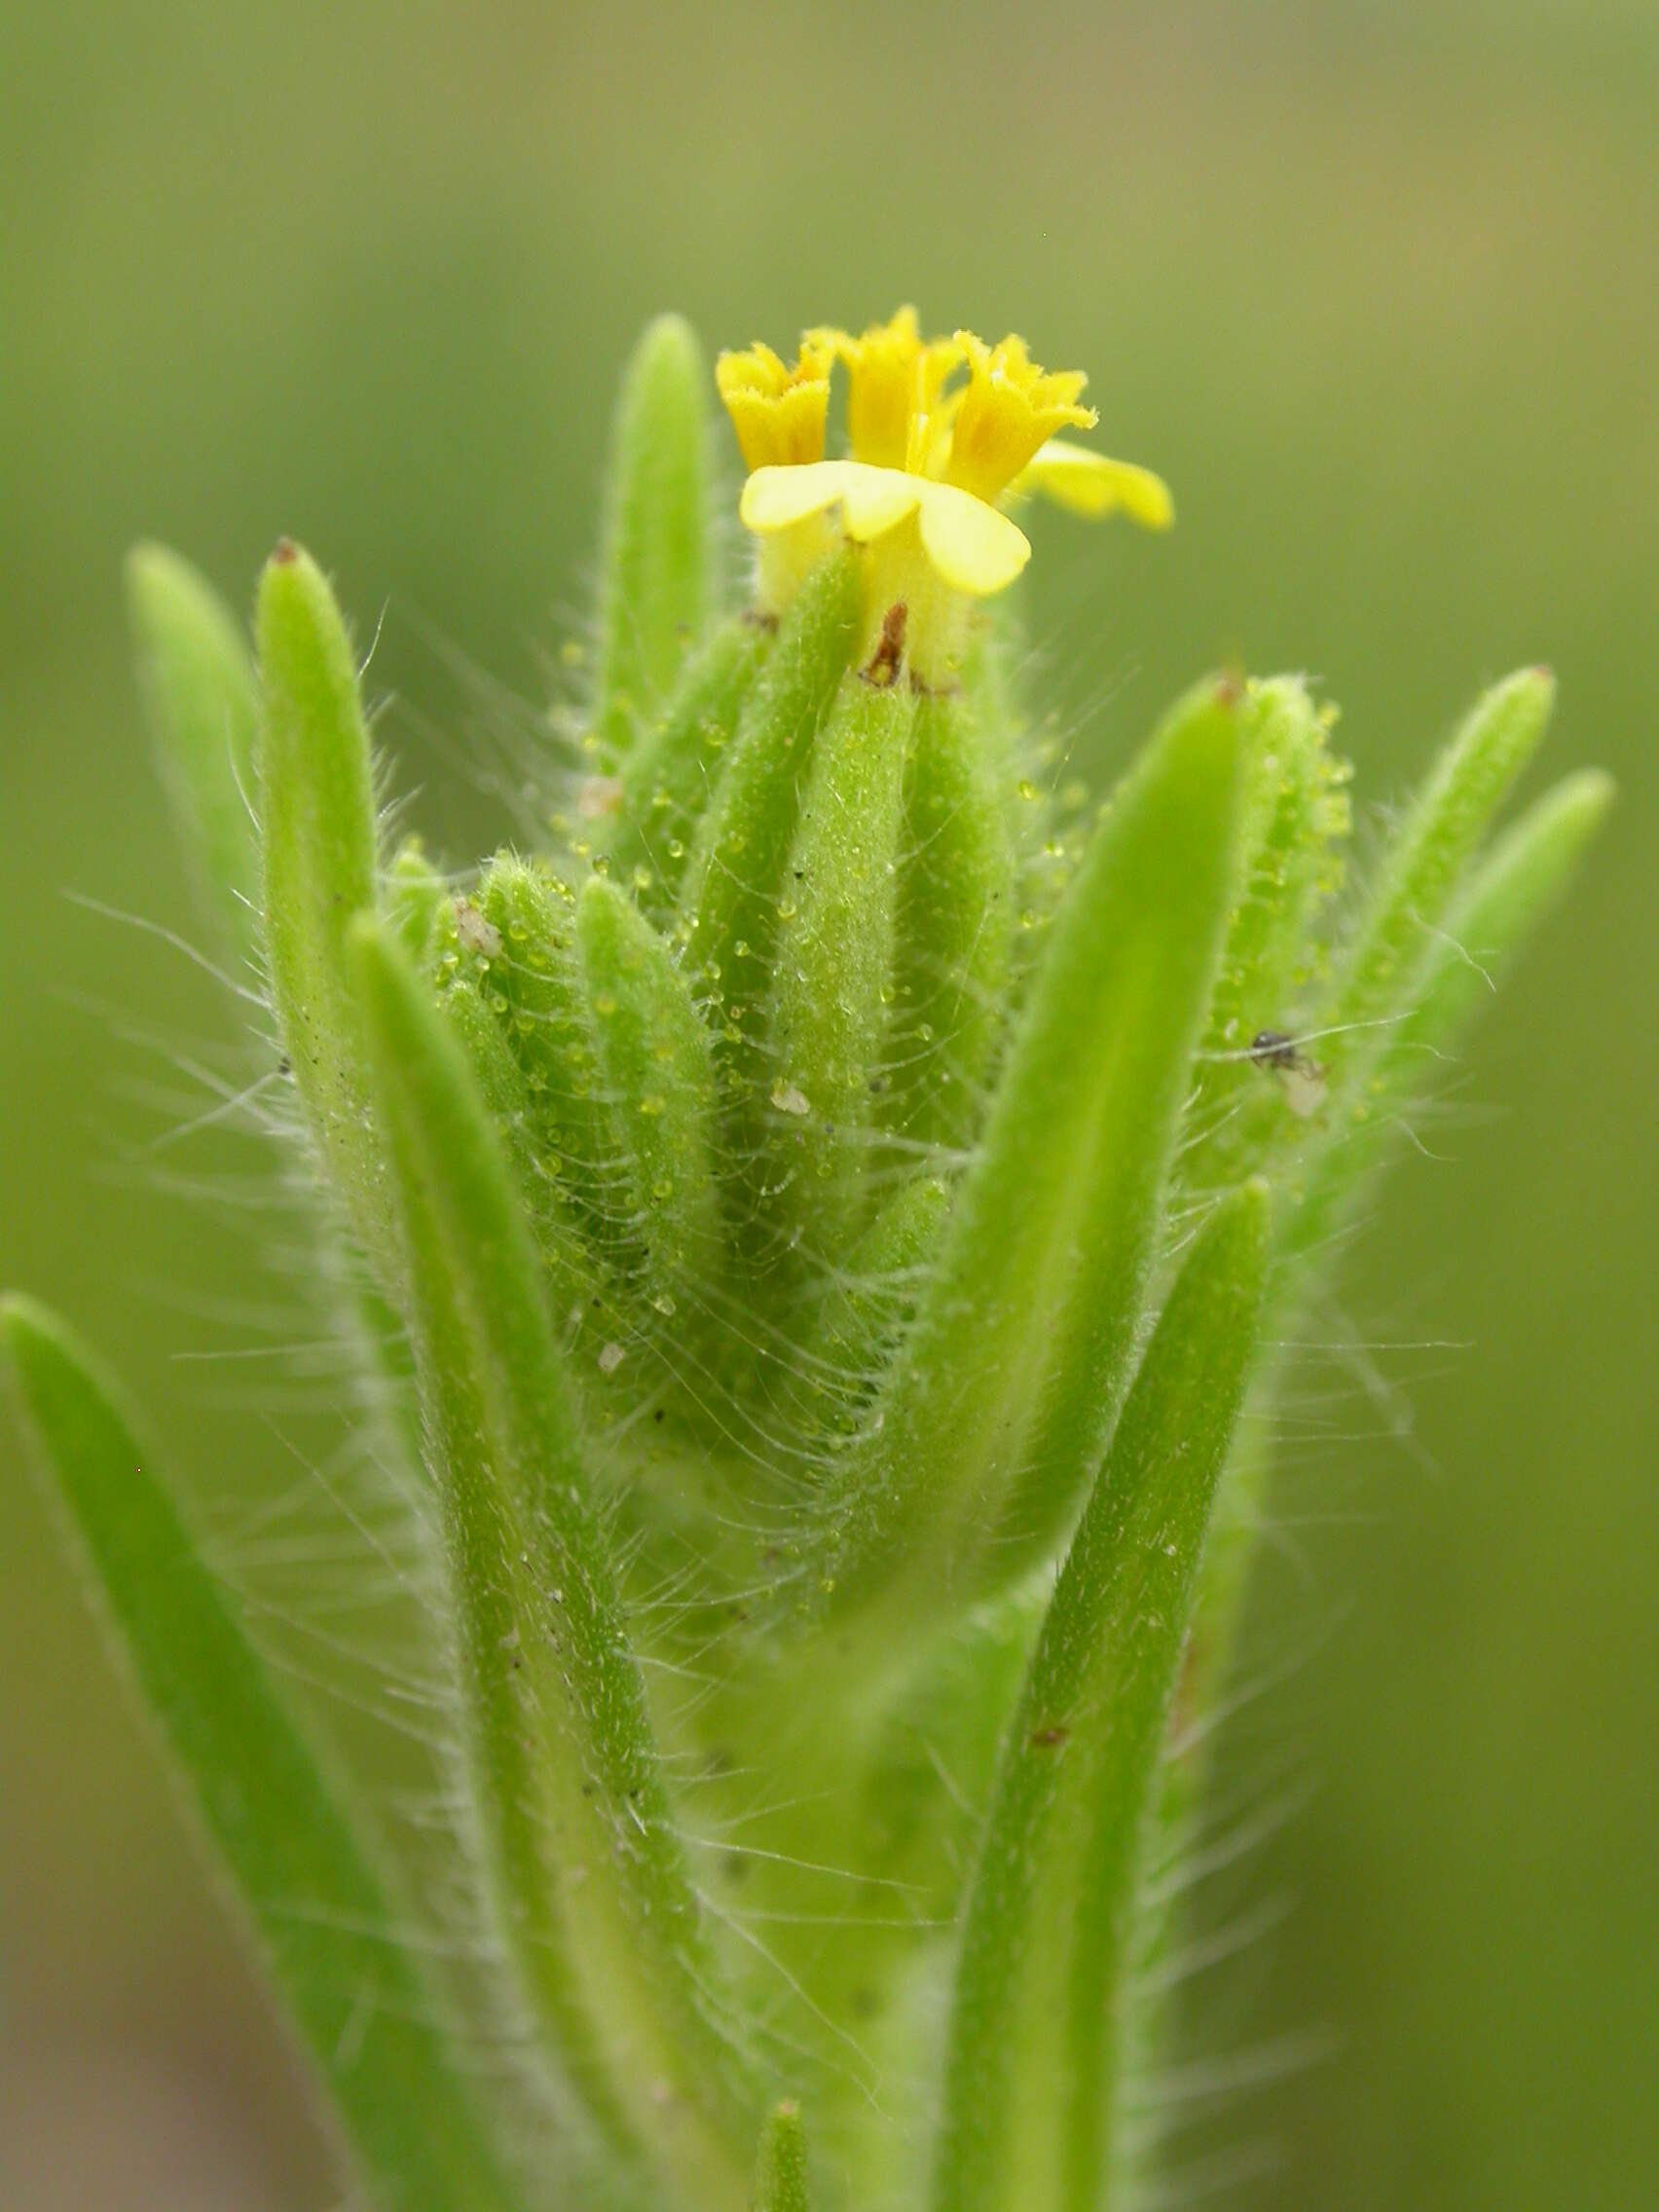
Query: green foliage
pixel 581 1852
pixel 1002 1396
pixel 300 1847
pixel 197 682
pixel 801 1261
pixel 780 2171
pixel 1031 2066
pixel 833 958
pixel 653 592
pixel 318 841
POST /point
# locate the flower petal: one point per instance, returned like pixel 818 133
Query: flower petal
pixel 1090 483
pixel 776 498
pixel 878 499
pixel 874 500
pixel 975 547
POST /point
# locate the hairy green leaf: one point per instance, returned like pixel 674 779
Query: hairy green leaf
pixel 735 873
pixel 955 918
pixel 1295 827
pixel 780 2170
pixel 316 810
pixel 196 676
pixel 587 1875
pixel 524 961
pixel 1484 928
pixel 653 595
pixel 834 969
pixel 1429 850
pixel 665 781
pixel 1005 1388
pixel 335 1938
pixel 1032 2048
pixel 656 1063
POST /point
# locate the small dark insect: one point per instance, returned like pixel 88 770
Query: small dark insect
pixel 1273 1049
pixel 1305 1078
pixel 1049 1739
pixel 883 669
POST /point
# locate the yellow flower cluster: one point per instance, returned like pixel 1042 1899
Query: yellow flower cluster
pixel 932 456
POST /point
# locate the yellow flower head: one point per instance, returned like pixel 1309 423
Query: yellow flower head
pixel 777 410
pixel 930 460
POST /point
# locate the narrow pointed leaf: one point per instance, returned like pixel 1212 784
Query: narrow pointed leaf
pixel 669 775
pixel 1292 850
pixel 525 961
pixel 1032 2057
pixel 955 919
pixel 874 1294
pixel 1525 874
pixel 734 875
pixel 833 970
pixel 1433 845
pixel 316 810
pixel 657 1067
pixel 195 677
pixel 1515 887
pixel 302 1855
pixel 781 2181
pixel 653 595
pixel 416 896
pixel 588 1879
pixel 1005 1390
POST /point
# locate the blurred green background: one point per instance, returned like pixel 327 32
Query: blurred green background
pixel 1377 288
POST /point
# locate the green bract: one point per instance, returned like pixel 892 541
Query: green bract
pixel 814 1264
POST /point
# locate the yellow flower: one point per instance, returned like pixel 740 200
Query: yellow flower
pixel 1010 408
pixel 777 410
pixel 931 460
pixel 1088 484
pixel 894 387
pixel 973 545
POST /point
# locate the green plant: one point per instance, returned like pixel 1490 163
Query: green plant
pixel 803 1238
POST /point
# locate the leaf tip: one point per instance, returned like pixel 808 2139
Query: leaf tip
pixel 23 1321
pixel 293 588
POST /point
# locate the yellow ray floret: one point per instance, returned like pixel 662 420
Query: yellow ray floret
pixel 974 546
pixel 1089 483
pixel 777 410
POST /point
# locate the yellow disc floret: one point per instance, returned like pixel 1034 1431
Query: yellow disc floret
pixel 930 460
pixel 881 388
pixel 777 410
pixel 1008 412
